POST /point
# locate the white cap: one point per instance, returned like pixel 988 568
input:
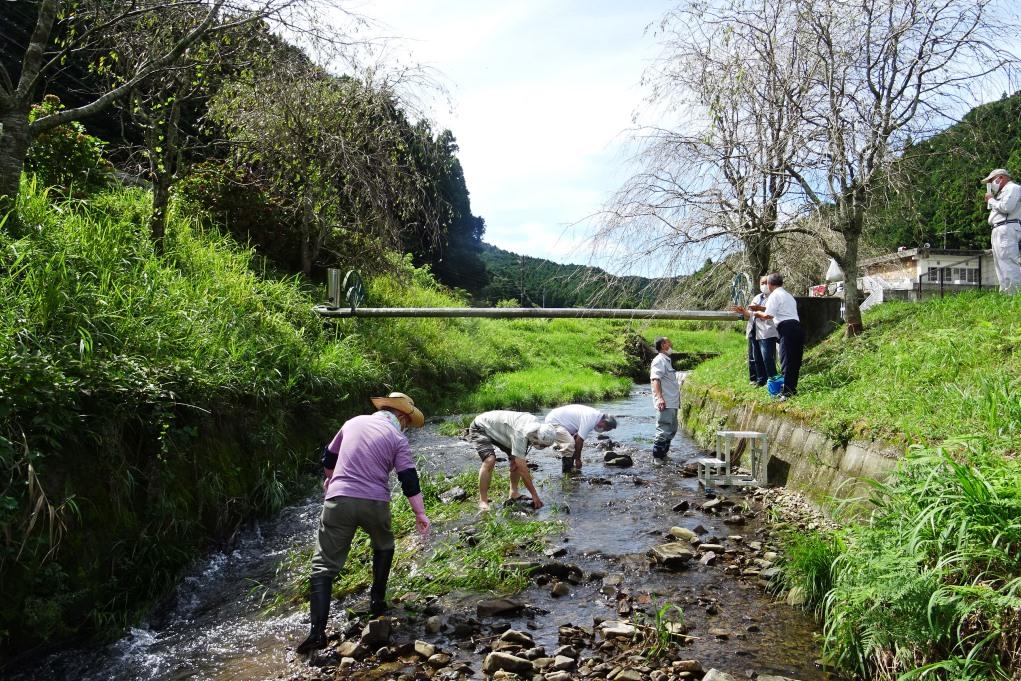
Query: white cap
pixel 996 173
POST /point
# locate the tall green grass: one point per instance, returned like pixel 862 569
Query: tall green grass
pixel 930 586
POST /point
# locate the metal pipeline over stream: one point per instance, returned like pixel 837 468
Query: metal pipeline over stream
pixel 526 312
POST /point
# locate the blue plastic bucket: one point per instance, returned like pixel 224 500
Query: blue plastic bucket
pixel 774 386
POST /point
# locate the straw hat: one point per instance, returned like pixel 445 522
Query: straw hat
pixel 403 404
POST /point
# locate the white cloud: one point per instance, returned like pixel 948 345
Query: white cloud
pixel 541 93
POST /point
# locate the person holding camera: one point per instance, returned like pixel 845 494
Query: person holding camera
pixel 1003 198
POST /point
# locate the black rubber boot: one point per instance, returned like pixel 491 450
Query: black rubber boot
pixel 320 593
pixel 659 450
pixel 381 562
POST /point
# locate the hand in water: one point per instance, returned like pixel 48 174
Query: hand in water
pixel 422 524
pixel 537 503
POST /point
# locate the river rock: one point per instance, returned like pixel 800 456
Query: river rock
pixel 347 662
pixel 629 675
pixel 566 651
pixel 453 494
pixel 772 677
pixel 424 649
pixel 712 504
pixel 610 455
pixel 721 634
pixel 681 507
pixel 562 662
pixel 433 624
pixel 521 638
pixel 715 548
pixel 692 666
pixel 560 589
pixel 771 556
pixel 439 660
pixel 495 662
pixel 376 632
pixel 616 629
pixel 506 647
pixel 708 558
pixel 352 649
pixel 558 676
pixel 621 461
pixel 734 520
pixel 717 675
pixel 499 606
pixel 673 556
pixel 796 597
pixel 683 533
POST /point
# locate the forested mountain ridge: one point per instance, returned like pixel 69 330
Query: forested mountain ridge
pixel 938 194
pixel 543 283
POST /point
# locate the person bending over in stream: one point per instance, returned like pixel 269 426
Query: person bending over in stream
pixel 579 421
pixel 357 465
pixel 512 432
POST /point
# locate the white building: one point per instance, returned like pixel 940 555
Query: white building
pixel 919 273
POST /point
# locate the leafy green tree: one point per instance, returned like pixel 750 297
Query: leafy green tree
pixel 332 152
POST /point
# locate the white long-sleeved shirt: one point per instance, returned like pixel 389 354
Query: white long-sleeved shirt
pixel 764 328
pixel 781 306
pixel 1006 205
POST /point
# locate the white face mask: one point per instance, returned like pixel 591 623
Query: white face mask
pixel 764 288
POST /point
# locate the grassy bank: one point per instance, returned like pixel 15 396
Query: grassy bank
pixel 149 403
pixel 928 585
pixel 920 374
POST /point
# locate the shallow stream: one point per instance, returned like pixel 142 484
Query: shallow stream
pixel 213 627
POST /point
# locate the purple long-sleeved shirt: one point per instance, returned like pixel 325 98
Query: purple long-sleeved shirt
pixel 367 448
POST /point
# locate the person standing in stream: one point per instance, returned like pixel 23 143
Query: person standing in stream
pixel 666 395
pixel 357 465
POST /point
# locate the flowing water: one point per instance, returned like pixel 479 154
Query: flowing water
pixel 214 627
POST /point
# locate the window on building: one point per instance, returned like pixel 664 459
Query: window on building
pixel 952 275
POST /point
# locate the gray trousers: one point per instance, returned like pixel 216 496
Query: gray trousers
pixel 1004 241
pixel 666 427
pixel 341 517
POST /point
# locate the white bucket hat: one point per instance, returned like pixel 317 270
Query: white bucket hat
pixel 996 173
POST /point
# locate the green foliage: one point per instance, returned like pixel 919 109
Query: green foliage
pixel 66 157
pixel 930 585
pixel 535 282
pixel 941 201
pixel 921 373
pixel 807 562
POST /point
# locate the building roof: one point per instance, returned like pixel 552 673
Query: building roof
pixel 917 253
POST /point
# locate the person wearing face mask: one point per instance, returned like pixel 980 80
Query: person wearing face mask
pixel 357 465
pixel 762 338
pixel 782 310
pixel 1003 198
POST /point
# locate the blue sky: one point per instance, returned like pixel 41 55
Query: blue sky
pixel 541 95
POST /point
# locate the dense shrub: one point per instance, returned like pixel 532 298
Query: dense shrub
pixel 66 157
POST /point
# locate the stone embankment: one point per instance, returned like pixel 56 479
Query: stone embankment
pixel 802 456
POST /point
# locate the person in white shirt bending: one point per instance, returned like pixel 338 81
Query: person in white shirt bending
pixel 782 308
pixel 580 421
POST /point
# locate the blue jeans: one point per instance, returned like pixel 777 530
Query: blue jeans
pixel 767 355
pixel 761 359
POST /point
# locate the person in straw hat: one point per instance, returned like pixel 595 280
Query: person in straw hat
pixel 357 465
pixel 1003 199
pixel 512 432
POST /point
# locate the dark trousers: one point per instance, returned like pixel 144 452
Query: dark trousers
pixel 792 348
pixel 761 359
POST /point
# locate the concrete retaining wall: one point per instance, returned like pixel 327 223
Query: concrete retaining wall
pixel 800 456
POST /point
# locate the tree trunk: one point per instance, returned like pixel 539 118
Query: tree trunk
pixel 849 263
pixel 307 247
pixel 14 142
pixel 160 201
pixel 759 248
